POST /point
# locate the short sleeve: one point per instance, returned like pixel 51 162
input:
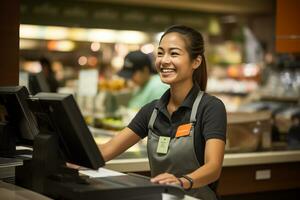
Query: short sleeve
pixel 214 121
pixel 139 124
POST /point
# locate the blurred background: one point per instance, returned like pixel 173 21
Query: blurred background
pixel 245 69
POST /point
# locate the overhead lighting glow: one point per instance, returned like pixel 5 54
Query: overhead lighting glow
pixel 55 33
pixel 30 32
pixel 132 37
pixel 121 49
pixel 28 44
pixel 32 66
pixel 147 48
pixel 95 46
pixel 82 60
pixel 43 32
pixel 80 34
pixel 101 35
pixel 63 45
pixel 117 62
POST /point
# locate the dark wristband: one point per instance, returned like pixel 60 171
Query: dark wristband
pixel 190 180
pixel 180 182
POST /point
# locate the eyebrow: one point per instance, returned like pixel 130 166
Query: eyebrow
pixel 172 48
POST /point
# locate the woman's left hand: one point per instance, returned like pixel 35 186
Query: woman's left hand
pixel 165 178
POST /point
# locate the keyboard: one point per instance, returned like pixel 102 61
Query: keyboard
pixel 128 187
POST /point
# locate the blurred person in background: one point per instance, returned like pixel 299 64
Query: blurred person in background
pixel 49 74
pixel 138 68
pixel 186 127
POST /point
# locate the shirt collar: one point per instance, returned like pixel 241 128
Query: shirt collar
pixel 163 101
pixel 190 98
pixel 188 101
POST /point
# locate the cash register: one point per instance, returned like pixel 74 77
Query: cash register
pixel 65 138
pixel 18 128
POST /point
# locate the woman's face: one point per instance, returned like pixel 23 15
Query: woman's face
pixel 173 62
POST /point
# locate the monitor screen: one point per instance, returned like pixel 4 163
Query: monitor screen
pixel 17 122
pixel 65 121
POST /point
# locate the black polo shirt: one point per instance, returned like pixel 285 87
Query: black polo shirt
pixel 211 119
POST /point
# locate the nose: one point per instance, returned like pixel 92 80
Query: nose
pixel 166 59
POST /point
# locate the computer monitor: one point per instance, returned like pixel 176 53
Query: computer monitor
pixel 37 82
pixel 59 116
pixel 18 124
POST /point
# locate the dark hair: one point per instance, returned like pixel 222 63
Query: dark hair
pixel 195 47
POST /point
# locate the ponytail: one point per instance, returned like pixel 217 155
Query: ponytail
pixel 200 75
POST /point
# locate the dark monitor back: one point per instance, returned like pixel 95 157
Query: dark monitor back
pixel 66 122
pixel 17 121
pixel 37 83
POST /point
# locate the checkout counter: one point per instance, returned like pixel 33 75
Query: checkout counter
pixel 243 173
pixel 11 191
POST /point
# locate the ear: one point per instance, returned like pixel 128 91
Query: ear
pixel 197 62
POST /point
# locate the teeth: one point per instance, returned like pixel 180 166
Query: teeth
pixel 167 70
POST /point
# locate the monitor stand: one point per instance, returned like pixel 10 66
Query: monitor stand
pixel 7 140
pixel 45 161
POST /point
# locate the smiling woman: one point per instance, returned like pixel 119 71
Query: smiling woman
pixel 186 127
pixel 181 64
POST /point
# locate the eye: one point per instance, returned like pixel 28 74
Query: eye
pixel 174 53
pixel 159 54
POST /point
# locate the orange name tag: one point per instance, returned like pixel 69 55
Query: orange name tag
pixel 183 130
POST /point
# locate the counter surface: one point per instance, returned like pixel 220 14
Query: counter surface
pixel 13 192
pixel 230 159
pixel 135 159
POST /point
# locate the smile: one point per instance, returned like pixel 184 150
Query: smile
pixel 167 70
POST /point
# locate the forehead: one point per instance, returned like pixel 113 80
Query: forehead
pixel 173 40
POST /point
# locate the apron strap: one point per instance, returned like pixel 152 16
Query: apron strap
pixel 193 114
pixel 195 106
pixel 152 119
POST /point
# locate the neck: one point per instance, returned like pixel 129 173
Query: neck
pixel 178 94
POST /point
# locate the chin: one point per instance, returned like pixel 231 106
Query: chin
pixel 166 81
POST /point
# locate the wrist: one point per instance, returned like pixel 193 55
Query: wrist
pixel 180 182
pixel 187 182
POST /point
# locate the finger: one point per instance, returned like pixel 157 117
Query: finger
pixel 73 166
pixel 161 177
pixel 167 181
